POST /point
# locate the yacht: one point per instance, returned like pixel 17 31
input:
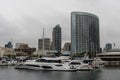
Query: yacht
pixel 46 64
pixel 5 61
pixel 60 64
pixel 80 66
pixel 96 63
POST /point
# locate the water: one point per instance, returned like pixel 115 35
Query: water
pixel 9 73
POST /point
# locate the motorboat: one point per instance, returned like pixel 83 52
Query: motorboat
pixel 96 63
pixel 5 61
pixel 46 64
pixel 80 66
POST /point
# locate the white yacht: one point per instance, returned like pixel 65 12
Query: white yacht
pixel 46 64
pixel 5 61
pixel 95 63
pixel 59 64
pixel 80 66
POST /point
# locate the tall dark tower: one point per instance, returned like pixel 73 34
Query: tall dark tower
pixel 84 33
pixel 56 37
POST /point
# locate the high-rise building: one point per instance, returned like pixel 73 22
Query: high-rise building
pixel 100 50
pixel 84 33
pixel 67 46
pixel 9 45
pixel 56 37
pixel 46 43
pixel 108 46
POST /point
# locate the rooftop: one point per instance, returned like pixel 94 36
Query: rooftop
pixel 110 53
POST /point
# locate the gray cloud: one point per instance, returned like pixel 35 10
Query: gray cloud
pixel 23 20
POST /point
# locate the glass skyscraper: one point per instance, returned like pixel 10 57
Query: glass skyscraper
pixel 56 37
pixel 108 46
pixel 84 33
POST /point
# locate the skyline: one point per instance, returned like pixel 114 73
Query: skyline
pixel 23 21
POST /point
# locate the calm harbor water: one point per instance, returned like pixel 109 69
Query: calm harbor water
pixel 9 73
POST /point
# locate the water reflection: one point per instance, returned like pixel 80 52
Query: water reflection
pixel 84 75
pixel 9 73
pixel 55 75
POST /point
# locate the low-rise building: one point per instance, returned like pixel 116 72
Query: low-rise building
pixel 6 51
pixel 67 46
pixel 24 49
pixel 111 58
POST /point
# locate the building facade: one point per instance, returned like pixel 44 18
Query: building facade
pixel 6 51
pixel 56 37
pixel 9 45
pixel 24 49
pixel 46 43
pixel 21 45
pixel 108 46
pixel 67 46
pixel 52 46
pixel 84 33
pixel 110 58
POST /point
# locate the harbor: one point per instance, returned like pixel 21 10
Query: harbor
pixel 61 63
pixel 56 63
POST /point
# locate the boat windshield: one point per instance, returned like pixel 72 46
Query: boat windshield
pixel 75 63
pixel 49 61
pixel 87 61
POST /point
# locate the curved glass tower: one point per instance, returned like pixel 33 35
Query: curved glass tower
pixel 84 33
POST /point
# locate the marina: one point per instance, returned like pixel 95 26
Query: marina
pixel 59 64
pixel 59 40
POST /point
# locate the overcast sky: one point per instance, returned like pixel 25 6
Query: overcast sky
pixel 23 20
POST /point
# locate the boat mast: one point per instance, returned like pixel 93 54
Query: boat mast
pixel 12 47
pixel 43 42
